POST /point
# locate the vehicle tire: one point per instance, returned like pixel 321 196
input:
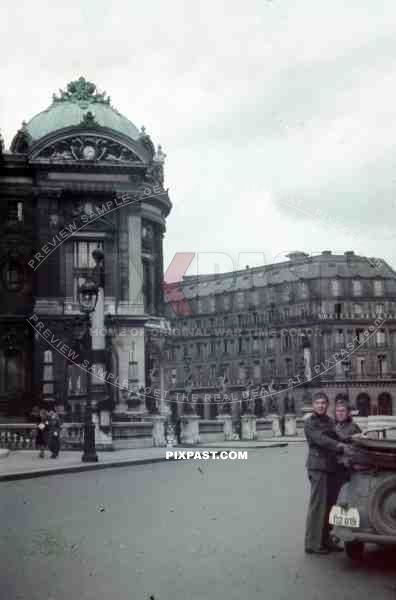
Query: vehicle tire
pixel 382 507
pixel 354 550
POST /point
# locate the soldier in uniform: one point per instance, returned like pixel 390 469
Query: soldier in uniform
pixel 345 428
pixel 323 448
pixel 344 424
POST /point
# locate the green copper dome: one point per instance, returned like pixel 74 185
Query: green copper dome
pixel 72 106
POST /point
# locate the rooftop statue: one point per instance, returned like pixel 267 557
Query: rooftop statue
pixel 81 90
pixel 159 155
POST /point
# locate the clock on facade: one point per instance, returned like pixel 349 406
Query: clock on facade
pixel 89 152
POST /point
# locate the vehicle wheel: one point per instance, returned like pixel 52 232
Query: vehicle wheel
pixel 382 507
pixel 354 550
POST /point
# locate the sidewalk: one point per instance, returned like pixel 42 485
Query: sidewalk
pixel 25 464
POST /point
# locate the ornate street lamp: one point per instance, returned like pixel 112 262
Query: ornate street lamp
pixel 307 384
pixel 88 297
pixel 188 408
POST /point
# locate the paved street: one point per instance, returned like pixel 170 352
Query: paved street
pixel 207 530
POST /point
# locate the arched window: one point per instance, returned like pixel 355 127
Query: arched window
pixel 10 379
pixel 385 404
pixel 363 404
pixel 214 409
pixel 200 408
pixel 258 407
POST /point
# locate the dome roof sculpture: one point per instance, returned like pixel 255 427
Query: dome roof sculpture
pixel 81 103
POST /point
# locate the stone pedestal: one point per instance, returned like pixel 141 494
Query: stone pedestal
pixel 227 426
pixel 276 429
pixel 190 429
pixel 290 425
pixel 159 439
pixel 104 418
pixel 248 427
pixel 103 441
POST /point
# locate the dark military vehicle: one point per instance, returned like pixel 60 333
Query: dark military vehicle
pixel 366 506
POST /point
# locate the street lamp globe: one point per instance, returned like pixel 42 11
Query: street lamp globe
pixel 88 295
pixel 98 255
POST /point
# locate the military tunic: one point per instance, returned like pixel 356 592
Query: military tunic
pixel 345 430
pixel 323 447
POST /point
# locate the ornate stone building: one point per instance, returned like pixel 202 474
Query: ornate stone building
pixel 280 333
pixel 78 176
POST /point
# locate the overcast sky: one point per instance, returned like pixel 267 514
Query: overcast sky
pixel 272 113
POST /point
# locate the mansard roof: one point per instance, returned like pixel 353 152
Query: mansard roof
pixel 300 267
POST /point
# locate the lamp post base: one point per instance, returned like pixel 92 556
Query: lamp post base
pixel 89 457
pixel 89 454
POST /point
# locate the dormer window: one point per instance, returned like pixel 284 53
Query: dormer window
pixel 303 289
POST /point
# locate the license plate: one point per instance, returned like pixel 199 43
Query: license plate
pixel 344 517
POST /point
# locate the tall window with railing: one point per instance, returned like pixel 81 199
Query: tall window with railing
pixel 48 373
pixel 83 262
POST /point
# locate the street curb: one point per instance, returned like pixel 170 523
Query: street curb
pixel 78 468
pixel 220 448
pixel 122 463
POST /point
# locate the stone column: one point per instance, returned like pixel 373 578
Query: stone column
pixel 276 430
pixel 248 427
pixel 136 300
pixel 120 348
pixel 290 425
pixel 97 324
pixel 227 420
pixel 103 441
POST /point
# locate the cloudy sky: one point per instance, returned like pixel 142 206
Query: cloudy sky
pixel 278 117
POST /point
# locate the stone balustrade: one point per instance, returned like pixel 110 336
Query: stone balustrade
pixel 22 436
pixel 211 430
pixel 264 428
pixel 132 434
pixel 72 436
pixel 18 436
